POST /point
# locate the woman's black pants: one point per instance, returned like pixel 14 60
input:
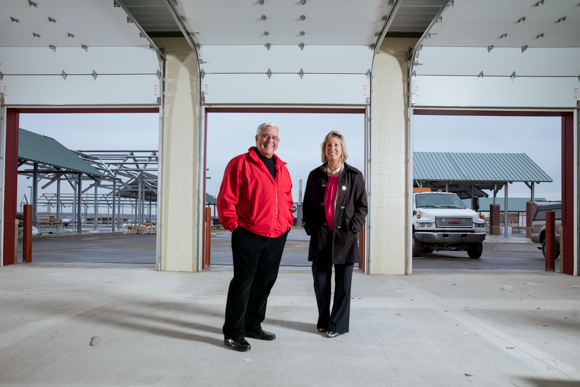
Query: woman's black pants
pixel 256 264
pixel 338 319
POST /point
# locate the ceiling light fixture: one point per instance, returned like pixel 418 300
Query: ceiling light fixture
pixel 261 2
pixel 264 17
pixel 391 3
pixel 480 76
pixel 439 19
pixel 521 20
pixel 303 2
pixel 524 48
pixel 301 73
pixel 269 73
pixel 302 33
pixel 64 75
pixel 32 4
pixel 503 36
pixel 116 4
pixel 302 17
pixel 372 46
pixel 14 20
pixel 129 20
pixel 35 35
pixel 1 76
pixel 541 2
pixel 266 33
pixel 95 75
pixel 86 48
pixel 540 36
pixel 70 35
pixel 560 20
pixel 51 20
pixel 513 76
pixel 268 45
pixel 489 48
pixel 301 45
pixel 53 48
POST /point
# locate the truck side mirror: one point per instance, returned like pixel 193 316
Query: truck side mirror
pixel 475 203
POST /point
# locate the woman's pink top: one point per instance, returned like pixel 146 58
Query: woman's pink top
pixel 329 199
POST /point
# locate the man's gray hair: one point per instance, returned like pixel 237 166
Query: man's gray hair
pixel 264 125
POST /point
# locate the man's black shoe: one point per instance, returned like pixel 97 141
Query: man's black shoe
pixel 261 335
pixel 238 344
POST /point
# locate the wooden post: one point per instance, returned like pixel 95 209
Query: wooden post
pixel 550 240
pixel 361 248
pixel 27 234
pixel 206 256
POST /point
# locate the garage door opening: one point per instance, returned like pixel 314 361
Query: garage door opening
pixel 460 136
pixel 117 222
pixel 302 131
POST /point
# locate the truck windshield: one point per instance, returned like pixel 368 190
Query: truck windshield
pixel 434 200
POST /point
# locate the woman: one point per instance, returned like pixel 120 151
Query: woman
pixel 334 211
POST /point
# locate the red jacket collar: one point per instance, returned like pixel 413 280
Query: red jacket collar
pixel 254 156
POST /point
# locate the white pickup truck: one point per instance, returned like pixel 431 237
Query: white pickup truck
pixel 442 222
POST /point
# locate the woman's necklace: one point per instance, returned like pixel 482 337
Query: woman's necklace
pixel 336 172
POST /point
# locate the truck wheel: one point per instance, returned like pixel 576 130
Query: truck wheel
pixel 474 250
pixel 417 247
pixel 556 250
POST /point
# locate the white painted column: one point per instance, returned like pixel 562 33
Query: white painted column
pixel 389 174
pixel 179 163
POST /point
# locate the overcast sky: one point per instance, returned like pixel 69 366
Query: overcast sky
pixel 301 135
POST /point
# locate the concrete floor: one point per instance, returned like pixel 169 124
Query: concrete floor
pixel 151 328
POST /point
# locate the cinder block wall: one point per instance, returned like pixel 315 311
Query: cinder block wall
pixel 388 154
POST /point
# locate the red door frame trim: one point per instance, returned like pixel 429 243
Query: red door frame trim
pixel 567 116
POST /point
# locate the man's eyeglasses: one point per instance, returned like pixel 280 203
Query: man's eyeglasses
pixel 267 137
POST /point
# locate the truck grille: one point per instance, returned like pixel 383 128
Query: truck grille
pixel 453 222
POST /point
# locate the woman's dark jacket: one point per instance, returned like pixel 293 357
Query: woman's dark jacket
pixel 340 246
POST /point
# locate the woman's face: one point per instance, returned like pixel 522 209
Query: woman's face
pixel 333 150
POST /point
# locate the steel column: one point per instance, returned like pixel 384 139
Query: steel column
pixel 57 201
pixel 96 208
pixel 113 210
pixel 79 200
pixel 505 212
pixel 35 195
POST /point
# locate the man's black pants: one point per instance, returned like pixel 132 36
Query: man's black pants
pixel 256 264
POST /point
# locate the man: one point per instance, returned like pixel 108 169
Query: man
pixel 255 203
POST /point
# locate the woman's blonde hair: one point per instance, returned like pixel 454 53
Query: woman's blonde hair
pixel 334 134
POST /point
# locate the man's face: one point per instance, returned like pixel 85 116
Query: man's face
pixel 267 141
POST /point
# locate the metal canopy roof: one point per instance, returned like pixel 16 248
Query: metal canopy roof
pixel 35 148
pixel 514 204
pixel 459 172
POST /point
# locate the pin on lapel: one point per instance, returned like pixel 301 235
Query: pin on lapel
pixel 344 188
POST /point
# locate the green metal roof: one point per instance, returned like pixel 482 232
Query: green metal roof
pixel 45 150
pixel 477 167
pixel 514 204
pixel 210 199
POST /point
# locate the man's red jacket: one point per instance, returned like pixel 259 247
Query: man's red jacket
pixel 251 198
